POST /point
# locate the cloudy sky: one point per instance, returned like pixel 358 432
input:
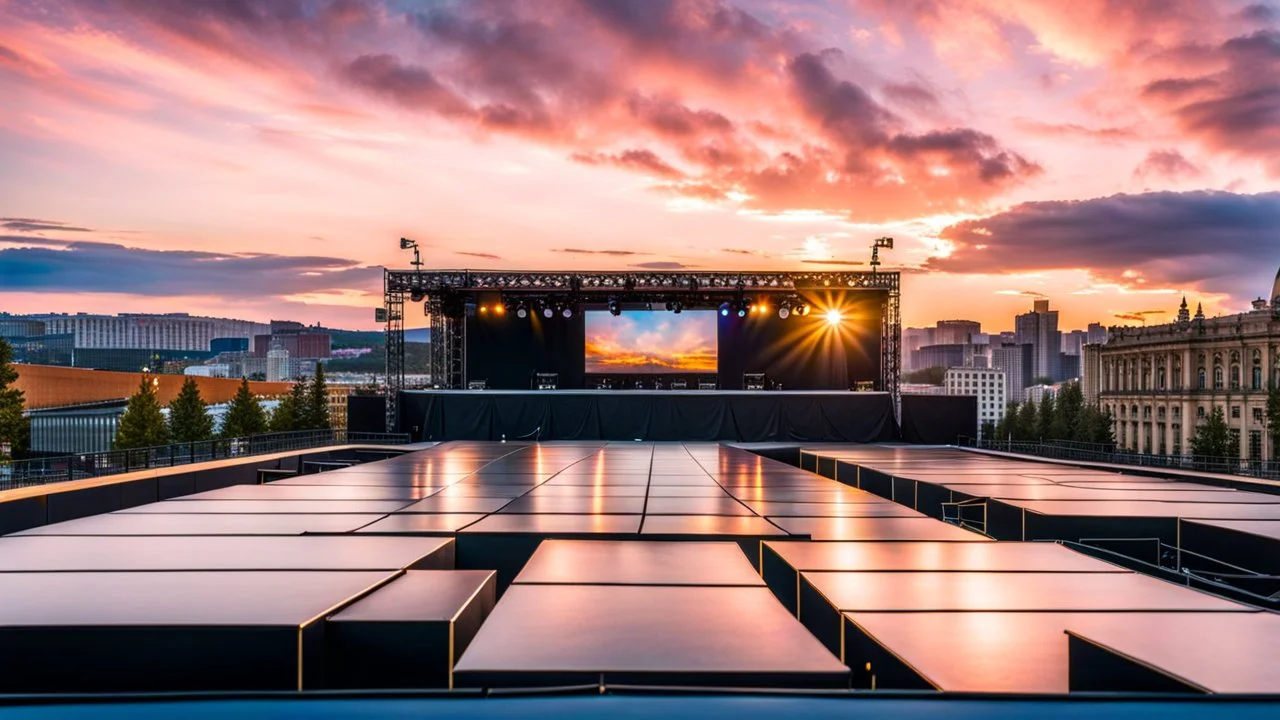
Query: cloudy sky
pixel 261 158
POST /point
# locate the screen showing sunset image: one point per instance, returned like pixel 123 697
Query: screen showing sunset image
pixel 651 342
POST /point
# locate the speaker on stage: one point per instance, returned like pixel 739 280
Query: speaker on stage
pixel 546 381
pixel 753 381
pixel 477 384
pixel 680 384
pixel 706 384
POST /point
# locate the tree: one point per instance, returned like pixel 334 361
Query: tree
pixel 1212 439
pixel 988 430
pixel 1024 427
pixel 15 429
pixel 189 419
pixel 245 415
pixel 315 412
pixel 287 415
pixel 142 424
pixel 1004 429
pixel 1094 426
pixel 1066 412
pixel 1273 416
pixel 1044 418
pixel 927 376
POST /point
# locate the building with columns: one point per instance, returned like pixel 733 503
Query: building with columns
pixel 1160 381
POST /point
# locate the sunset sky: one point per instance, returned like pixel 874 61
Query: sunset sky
pixel 651 341
pixel 260 158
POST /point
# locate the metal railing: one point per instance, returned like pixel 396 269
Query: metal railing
pixel 63 468
pixel 1092 452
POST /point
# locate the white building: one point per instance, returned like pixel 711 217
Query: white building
pixel 986 385
pixel 170 331
pixel 218 370
pixel 278 364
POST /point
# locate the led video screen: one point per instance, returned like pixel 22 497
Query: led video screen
pixel 651 341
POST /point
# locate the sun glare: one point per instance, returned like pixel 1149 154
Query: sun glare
pixel 834 317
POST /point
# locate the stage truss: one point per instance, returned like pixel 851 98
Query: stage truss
pixel 445 293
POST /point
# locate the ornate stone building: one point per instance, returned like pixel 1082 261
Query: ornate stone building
pixel 1159 382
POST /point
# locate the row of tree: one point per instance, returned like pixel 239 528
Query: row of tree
pixel 1065 417
pixel 143 424
pixel 15 428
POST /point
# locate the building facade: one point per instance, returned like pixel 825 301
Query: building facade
pixel 171 331
pixel 1015 362
pixel 1160 382
pixel 1039 329
pixel 987 385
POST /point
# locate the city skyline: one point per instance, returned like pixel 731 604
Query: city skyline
pixel 260 160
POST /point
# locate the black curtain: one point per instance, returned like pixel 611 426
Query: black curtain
pixel 674 415
pixel 938 419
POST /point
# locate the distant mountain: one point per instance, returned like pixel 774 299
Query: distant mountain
pixel 421 335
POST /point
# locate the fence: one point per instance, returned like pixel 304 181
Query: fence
pixel 40 471
pixel 1092 452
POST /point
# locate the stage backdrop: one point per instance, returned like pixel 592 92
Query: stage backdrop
pixel 801 353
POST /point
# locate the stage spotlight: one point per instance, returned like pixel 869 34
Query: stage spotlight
pixel 724 309
pixel 499 309
pixel 671 306
pixel 834 316
pixel 677 307
pixel 484 309
pixel 802 309
pixel 548 312
pixel 784 311
pixel 417 295
pixel 522 311
pixel 614 309
pixel 744 307
pixel 567 312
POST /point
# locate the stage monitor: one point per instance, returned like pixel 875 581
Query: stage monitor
pixel 651 341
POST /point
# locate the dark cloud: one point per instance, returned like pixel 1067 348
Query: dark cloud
pixel 1174 88
pixel 1237 109
pixel 33 225
pixel 481 255
pixel 1169 164
pixel 92 267
pixel 1260 13
pixel 911 94
pixel 643 161
pixel 833 262
pixel 663 265
pixel 408 85
pixel 583 251
pixel 1218 241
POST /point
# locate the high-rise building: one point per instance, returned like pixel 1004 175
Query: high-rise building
pixel 1015 362
pixel 278 364
pixel 1039 329
pixel 912 340
pixel 300 344
pixel 1073 341
pixel 1096 334
pixel 956 332
pixel 987 385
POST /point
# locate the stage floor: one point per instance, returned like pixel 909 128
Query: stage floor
pixel 624 563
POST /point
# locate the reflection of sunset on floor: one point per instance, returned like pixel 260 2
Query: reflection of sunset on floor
pixel 651 342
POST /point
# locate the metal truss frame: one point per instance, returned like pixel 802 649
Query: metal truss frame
pixel 445 293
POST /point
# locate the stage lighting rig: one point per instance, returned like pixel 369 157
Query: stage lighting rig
pixel 614 309
pixel 724 309
pixel 884 242
pixel 522 310
pixel 784 309
pixel 548 312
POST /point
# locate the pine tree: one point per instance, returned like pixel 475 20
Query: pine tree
pixel 15 430
pixel 1044 418
pixel 189 419
pixel 142 424
pixel 1212 439
pixel 245 415
pixel 1024 428
pixel 1066 412
pixel 316 406
pixel 287 416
